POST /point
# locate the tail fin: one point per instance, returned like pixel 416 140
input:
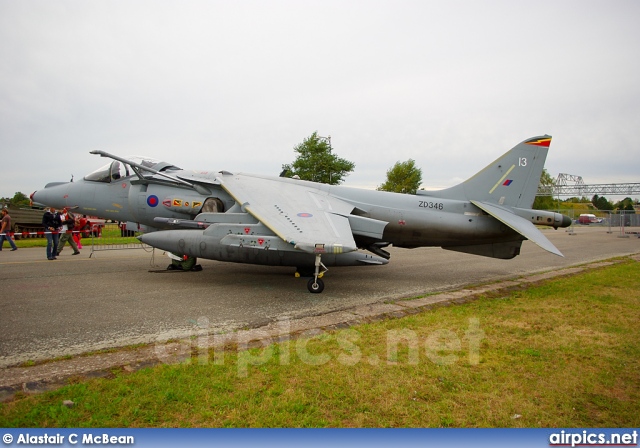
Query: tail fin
pixel 510 180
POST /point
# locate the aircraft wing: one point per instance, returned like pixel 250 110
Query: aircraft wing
pixel 520 225
pixel 299 213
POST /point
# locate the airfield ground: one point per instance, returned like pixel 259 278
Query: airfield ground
pixel 76 305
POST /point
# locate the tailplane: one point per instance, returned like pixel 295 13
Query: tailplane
pixel 511 180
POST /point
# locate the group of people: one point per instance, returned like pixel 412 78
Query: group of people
pixel 58 228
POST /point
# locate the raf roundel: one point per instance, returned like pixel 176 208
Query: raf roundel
pixel 152 200
pixel 305 215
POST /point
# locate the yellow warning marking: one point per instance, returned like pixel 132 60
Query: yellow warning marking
pixel 502 179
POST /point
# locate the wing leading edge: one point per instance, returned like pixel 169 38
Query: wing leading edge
pixel 520 225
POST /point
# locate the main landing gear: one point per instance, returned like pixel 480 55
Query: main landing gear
pixel 315 285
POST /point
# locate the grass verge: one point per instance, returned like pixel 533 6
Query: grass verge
pixel 562 354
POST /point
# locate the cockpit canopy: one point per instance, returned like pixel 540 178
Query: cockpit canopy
pixel 114 171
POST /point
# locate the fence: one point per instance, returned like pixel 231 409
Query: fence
pixel 625 222
pixel 113 236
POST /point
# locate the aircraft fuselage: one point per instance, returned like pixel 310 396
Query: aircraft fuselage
pixel 414 220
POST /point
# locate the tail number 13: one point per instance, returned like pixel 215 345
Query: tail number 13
pixel 522 161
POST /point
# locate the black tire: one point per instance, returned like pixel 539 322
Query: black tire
pixel 315 286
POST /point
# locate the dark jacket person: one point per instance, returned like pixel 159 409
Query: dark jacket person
pixel 51 223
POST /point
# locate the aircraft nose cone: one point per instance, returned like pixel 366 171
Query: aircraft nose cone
pixel 40 197
pixel 53 195
pixel 36 197
pixel 566 221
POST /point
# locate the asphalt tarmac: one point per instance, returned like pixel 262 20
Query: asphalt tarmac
pixel 78 304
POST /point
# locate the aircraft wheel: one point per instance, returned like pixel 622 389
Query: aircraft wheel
pixel 315 286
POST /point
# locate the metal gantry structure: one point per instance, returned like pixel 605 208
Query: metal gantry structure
pixel 570 185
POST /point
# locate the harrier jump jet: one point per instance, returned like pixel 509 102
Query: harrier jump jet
pixel 247 218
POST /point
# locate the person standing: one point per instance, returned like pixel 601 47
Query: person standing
pixel 5 229
pixel 66 234
pixel 76 235
pixel 51 223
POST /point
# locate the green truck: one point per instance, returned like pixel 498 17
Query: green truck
pixel 25 221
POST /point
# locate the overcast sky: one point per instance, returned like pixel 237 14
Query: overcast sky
pixel 235 85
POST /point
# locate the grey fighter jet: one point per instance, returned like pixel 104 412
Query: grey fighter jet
pixel 246 218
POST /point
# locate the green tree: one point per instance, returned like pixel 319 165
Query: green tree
pixel 545 202
pixel 18 200
pixel 316 162
pixel 601 203
pixel 577 200
pixel 403 177
pixel 626 204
